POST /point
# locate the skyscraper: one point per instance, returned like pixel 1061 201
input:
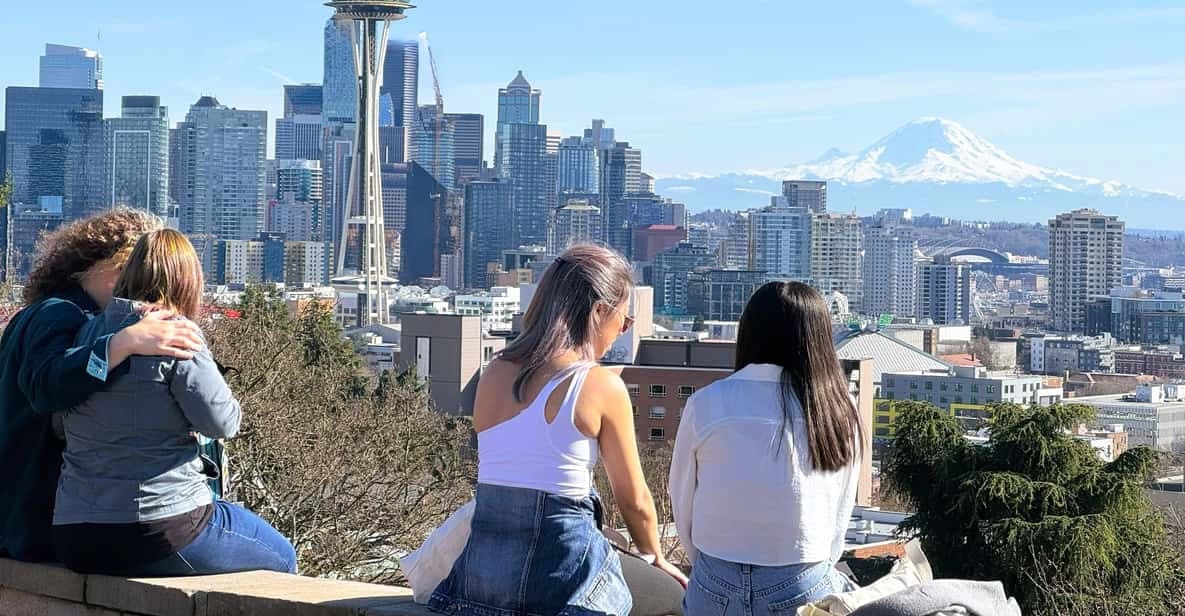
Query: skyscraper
pixel 223 192
pixel 944 292
pixel 780 237
pixel 339 84
pixel 890 271
pixel 424 143
pixel 489 228
pixel 399 93
pixel 806 193
pixel 55 149
pixel 303 99
pixel 136 149
pixel 433 226
pixel 621 174
pixel 64 66
pixel 525 166
pixel 518 103
pixel 836 255
pixel 579 166
pixel 337 150
pixel 575 221
pixel 735 250
pixel 1085 260
pixel 468 144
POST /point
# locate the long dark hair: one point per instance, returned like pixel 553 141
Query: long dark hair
pixel 788 324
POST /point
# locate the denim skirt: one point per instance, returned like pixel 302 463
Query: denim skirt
pixel 533 553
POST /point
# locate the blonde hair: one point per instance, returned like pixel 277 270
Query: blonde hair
pixel 163 269
pixel 70 251
pixel 562 315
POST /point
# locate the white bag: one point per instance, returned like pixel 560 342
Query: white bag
pixel 911 570
pixel 427 567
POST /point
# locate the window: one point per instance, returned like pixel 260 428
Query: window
pixel 685 391
pixel 929 385
pixel 944 400
pixel 882 419
pixel 975 387
pixel 658 412
pixel 958 387
pixel 882 431
pixel 658 391
pixel 891 396
pixel 974 399
pixel 991 389
pixel 658 434
pixel 635 411
pixel 944 386
pixel 890 382
pixel 913 384
pixel 633 388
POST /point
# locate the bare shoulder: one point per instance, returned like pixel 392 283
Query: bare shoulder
pixel 606 382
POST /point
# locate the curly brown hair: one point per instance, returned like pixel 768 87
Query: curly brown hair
pixel 71 250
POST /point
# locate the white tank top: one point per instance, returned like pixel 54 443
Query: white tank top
pixel 527 452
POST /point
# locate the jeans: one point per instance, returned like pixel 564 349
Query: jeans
pixel 532 552
pixel 235 540
pixel 722 588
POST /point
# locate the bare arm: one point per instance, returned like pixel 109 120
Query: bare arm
pixel 619 450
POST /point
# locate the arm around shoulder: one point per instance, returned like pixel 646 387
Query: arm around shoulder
pixel 53 374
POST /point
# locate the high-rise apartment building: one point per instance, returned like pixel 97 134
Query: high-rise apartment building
pixel 489 229
pixel 837 244
pixel 136 156
pixel 433 229
pixel 468 145
pixel 55 149
pixel 579 166
pixel 223 192
pixel 810 194
pixel 621 175
pixel 890 271
pixel 646 208
pixel 574 222
pixel 670 273
pixel 944 292
pixel 729 292
pixel 780 240
pixel 64 66
pixel 734 252
pixel 1085 260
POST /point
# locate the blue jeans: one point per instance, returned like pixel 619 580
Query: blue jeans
pixel 722 588
pixel 532 552
pixel 235 540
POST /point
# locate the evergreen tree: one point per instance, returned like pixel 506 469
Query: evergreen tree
pixel 1037 509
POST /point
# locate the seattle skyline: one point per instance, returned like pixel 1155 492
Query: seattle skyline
pixel 759 85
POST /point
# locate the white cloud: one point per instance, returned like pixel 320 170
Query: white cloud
pixel 974 15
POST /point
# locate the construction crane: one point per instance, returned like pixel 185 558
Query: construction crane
pixel 437 127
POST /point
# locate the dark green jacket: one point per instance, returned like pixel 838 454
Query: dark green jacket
pixel 41 371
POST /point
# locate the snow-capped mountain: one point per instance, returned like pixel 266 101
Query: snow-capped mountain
pixel 939 167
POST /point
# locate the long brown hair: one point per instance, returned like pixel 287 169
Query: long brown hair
pixel 788 324
pixel 561 316
pixel 70 251
pixel 163 269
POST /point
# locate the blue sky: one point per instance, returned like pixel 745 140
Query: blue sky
pixel 1092 87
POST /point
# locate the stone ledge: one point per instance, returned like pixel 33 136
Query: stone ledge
pixel 56 590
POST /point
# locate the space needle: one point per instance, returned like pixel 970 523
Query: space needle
pixel 364 201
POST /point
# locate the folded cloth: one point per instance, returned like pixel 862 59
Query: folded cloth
pixel 909 571
pixel 941 597
pixel 427 567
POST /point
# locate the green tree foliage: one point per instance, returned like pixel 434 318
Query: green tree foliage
pixel 354 469
pixel 1037 509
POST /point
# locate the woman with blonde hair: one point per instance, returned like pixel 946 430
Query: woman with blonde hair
pixel 544 412
pixel 763 478
pixel 133 498
pixel 43 371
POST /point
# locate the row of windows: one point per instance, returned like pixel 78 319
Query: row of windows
pixel 658 412
pixel 930 398
pixel 660 391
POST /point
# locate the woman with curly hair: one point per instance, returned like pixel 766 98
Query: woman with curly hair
pixel 42 371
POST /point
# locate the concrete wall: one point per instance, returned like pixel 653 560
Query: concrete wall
pixel 47 590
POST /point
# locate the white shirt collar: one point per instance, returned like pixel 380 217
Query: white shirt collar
pixel 759 372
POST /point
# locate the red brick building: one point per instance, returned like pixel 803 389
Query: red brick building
pixel 658 394
pixel 1163 364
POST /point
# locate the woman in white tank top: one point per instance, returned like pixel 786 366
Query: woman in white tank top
pixel 544 413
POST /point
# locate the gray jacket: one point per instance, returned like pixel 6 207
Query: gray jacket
pixel 130 452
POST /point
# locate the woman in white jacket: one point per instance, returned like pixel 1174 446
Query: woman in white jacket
pixel 764 474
